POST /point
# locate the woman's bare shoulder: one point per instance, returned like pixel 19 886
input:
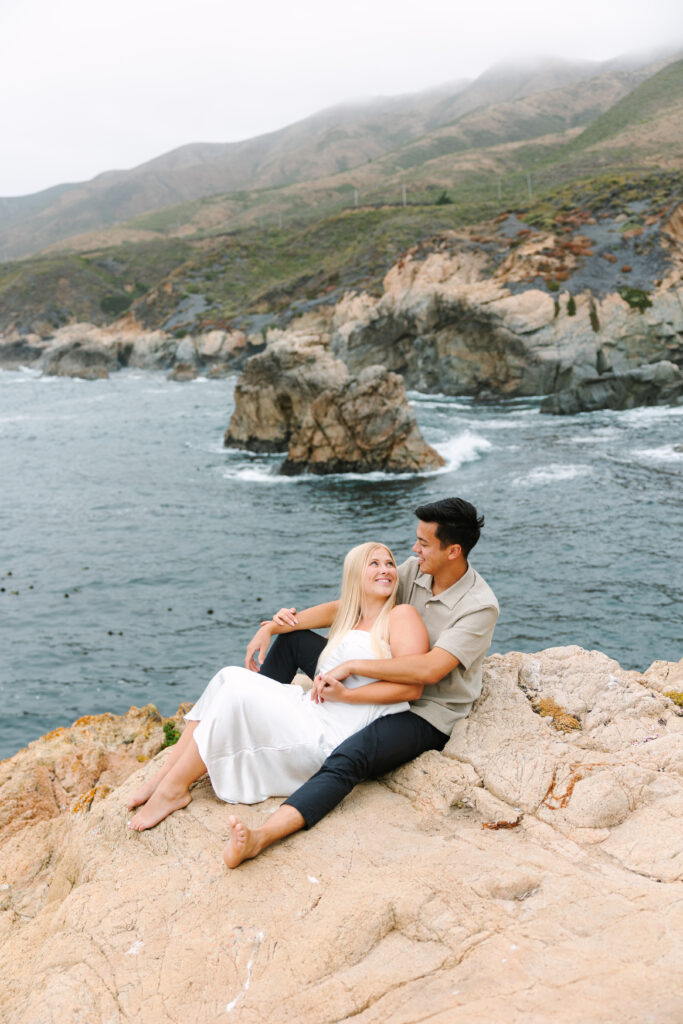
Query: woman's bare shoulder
pixel 403 614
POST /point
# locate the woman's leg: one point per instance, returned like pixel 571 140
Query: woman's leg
pixel 142 795
pixel 172 791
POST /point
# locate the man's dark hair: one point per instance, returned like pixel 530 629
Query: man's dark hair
pixel 456 521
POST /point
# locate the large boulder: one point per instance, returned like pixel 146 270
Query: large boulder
pixel 654 384
pixel 362 426
pixel 296 397
pixel 532 871
pixel 89 361
pixel 275 390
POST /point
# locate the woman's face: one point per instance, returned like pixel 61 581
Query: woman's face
pixel 379 575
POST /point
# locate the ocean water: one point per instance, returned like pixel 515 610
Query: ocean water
pixel 137 555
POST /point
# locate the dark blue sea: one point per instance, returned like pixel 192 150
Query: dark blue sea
pixel 137 555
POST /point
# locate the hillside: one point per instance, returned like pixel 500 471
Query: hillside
pixel 252 278
pixel 375 147
pixel 652 99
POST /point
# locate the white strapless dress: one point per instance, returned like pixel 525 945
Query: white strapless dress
pixel 260 738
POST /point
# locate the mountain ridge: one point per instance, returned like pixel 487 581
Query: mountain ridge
pixel 329 143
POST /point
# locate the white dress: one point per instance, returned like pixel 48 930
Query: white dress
pixel 260 738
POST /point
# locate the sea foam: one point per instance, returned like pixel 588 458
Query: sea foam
pixel 551 474
pixel 466 447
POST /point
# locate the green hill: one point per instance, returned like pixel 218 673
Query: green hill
pixel 662 90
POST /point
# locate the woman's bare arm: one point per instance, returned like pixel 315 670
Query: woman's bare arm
pixel 407 635
pixel 319 616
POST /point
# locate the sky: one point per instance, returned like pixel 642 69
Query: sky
pixel 88 85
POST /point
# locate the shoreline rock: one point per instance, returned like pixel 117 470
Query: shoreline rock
pixel 654 384
pixel 296 397
pixel 87 351
pixel 549 860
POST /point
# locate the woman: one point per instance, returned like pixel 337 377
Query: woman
pixel 258 738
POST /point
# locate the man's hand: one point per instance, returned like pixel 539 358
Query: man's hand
pixel 326 687
pixel 259 642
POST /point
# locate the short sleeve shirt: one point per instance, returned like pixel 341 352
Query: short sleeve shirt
pixel 460 620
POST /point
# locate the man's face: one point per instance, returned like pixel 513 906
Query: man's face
pixel 431 556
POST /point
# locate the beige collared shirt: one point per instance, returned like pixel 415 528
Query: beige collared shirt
pixel 460 620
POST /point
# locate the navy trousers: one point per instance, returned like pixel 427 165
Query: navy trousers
pixel 378 748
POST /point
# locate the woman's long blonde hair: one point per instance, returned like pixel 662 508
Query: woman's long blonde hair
pixel 352 602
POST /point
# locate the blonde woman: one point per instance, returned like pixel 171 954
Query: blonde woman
pixel 258 738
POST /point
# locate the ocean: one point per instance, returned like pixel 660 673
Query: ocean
pixel 138 555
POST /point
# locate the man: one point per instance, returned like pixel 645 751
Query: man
pixel 459 610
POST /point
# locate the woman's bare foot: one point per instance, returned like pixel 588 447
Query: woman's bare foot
pixel 142 795
pixel 242 845
pixel 163 801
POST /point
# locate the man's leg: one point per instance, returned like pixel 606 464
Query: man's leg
pixel 385 744
pixel 291 652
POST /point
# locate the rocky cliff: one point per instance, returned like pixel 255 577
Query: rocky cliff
pixel 530 872
pixel 513 310
pixel 296 397
pixel 526 304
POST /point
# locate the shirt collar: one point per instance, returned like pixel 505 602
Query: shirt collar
pixel 454 593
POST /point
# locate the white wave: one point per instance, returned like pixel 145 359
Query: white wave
pixel 467 447
pixel 598 436
pixel 260 475
pixel 438 403
pixel 647 413
pixel 551 474
pixel 665 453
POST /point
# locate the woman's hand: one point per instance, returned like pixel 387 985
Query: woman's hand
pixel 286 617
pixel 258 643
pixel 326 687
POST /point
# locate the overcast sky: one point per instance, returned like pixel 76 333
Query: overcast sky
pixel 87 86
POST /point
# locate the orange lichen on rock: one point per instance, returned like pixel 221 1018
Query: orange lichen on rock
pixel 546 707
pixel 86 800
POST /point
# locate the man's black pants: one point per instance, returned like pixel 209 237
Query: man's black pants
pixel 386 743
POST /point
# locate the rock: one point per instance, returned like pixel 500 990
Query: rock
pixel 89 361
pixel 182 372
pixel 483 883
pixel 186 353
pixel 19 350
pixel 448 323
pixel 72 765
pixel 275 390
pixel 296 397
pixel 80 349
pixel 654 384
pixel 361 427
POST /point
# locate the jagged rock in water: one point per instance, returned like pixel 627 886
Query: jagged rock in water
pixel 275 390
pixel 296 397
pixel 653 384
pixel 182 372
pixel 89 361
pixel 362 426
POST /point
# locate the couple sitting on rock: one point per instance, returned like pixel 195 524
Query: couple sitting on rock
pixel 402 663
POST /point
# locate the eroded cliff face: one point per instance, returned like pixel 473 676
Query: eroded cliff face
pixel 530 872
pixel 455 324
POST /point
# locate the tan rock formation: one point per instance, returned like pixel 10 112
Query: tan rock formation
pixel 296 397
pixel 523 875
pixel 71 767
pixel 83 349
pixel 362 426
pixel 447 323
